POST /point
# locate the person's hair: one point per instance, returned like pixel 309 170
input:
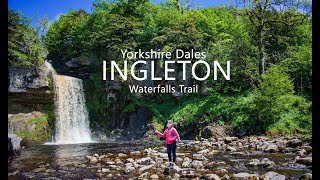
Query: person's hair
pixel 170 121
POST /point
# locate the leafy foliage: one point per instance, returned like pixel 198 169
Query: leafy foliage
pixel 270 86
pixel 25 47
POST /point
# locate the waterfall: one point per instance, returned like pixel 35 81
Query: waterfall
pixel 72 122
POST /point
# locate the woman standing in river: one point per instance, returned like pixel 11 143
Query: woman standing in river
pixel 171 135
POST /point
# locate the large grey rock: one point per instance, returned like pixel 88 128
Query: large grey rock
pixel 212 130
pixel 212 177
pixel 187 162
pixel 271 148
pixel 246 176
pixel 230 139
pixel 307 161
pixel 294 143
pixel 306 176
pixel 196 164
pixel 14 147
pixel 274 176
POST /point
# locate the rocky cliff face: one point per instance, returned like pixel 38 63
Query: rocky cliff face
pixel 130 126
pixel 29 92
pixel 30 85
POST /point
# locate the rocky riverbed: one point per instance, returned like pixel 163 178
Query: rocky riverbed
pixel 215 158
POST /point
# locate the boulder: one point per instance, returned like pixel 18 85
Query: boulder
pixel 196 164
pixel 307 161
pixel 274 176
pixel 271 148
pixel 212 177
pixel 254 162
pixel 93 160
pixel 145 168
pixel 246 176
pixel 154 176
pixel 144 161
pixel 144 175
pixel 306 176
pixel 230 148
pixel 212 130
pixel 199 157
pixel 187 162
pixel 129 169
pixel 121 155
pixel 14 147
pixel 266 163
pixel 228 140
pixel 294 143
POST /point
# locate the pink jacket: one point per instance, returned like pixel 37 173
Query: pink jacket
pixel 169 138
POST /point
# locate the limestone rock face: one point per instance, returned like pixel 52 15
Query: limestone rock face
pixel 29 93
pixel 30 85
pixel 212 131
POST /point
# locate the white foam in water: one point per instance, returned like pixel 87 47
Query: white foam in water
pixel 72 122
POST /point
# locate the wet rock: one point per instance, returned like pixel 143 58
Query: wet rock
pixel 196 164
pixel 50 170
pixel 130 160
pixel 254 162
pixel 199 157
pixel 121 155
pixel 294 143
pixel 230 148
pixel 144 168
pixel 144 161
pixel 308 149
pixel 274 176
pixel 271 148
pixel 129 169
pixel 307 161
pixel 246 176
pixel 144 175
pixel 166 171
pixel 14 147
pixel 176 176
pixel 36 170
pixel 306 176
pixel 225 177
pixel 176 169
pixel 188 173
pixel 302 152
pixel 93 160
pixel 212 177
pixel 110 162
pixel 154 176
pixel 187 162
pixel 205 151
pixel 135 152
pixel 221 171
pixel 104 170
pixel 228 140
pixel 266 163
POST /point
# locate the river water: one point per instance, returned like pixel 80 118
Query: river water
pixel 68 161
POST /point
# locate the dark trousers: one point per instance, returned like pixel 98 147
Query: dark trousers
pixel 171 148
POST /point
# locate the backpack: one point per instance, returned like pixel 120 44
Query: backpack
pixel 178 140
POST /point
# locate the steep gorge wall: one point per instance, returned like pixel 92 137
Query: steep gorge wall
pixel 30 99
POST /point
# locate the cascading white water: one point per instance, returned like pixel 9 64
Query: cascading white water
pixel 72 122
